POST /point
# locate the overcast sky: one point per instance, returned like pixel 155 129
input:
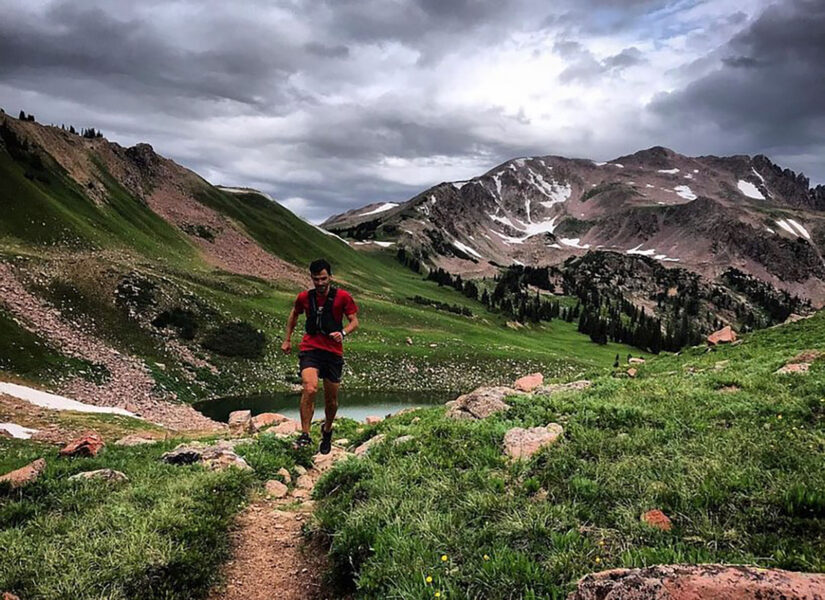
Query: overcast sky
pixel 330 105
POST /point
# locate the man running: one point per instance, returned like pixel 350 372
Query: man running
pixel 321 352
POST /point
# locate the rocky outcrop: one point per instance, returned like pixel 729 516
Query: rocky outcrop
pixel 480 403
pixel 240 422
pixel 87 445
pixel 696 582
pixel 24 475
pixel 554 388
pixel 263 420
pixel 523 443
pixel 369 444
pixel 801 363
pixel 135 439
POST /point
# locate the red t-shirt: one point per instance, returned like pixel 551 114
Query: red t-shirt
pixel 342 305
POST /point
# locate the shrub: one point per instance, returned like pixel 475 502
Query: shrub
pixel 236 339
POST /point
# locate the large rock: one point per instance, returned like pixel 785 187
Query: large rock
pixel 554 388
pixel 266 420
pixel 697 582
pixel 24 475
pixel 529 382
pixel 726 335
pixel 480 403
pixel 89 444
pixel 104 474
pixel 184 454
pixel 216 458
pixel 523 443
pixel 240 422
pixel 286 428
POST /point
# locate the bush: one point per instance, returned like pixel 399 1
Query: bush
pixel 236 339
pixel 181 319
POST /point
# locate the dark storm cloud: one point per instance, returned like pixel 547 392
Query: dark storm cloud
pixel 768 88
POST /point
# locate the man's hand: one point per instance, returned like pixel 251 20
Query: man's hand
pixel 337 336
pixel 286 347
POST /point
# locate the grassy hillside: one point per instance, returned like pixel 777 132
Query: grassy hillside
pixel 731 451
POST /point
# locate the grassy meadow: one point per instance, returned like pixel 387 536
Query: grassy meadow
pixel 729 450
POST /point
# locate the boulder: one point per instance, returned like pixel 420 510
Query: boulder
pixel 240 421
pixel 184 454
pixel 104 474
pixel 726 335
pixel 372 420
pixel 24 475
pixel 657 519
pixel 215 458
pixel 529 382
pixel 694 582
pixel 523 443
pixel 276 489
pixel 553 388
pixel 480 403
pixel 89 444
pixel 135 439
pixel 370 443
pixel 267 419
pixel 9 596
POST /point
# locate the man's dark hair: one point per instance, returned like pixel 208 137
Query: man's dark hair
pixel 316 266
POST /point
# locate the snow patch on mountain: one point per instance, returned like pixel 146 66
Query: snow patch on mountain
pixel 466 249
pixel 669 171
pixel 574 243
pixel 685 192
pixel 384 207
pixel 17 431
pixel 802 231
pixel 636 250
pixel 749 190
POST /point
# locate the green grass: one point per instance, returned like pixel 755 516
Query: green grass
pixel 738 473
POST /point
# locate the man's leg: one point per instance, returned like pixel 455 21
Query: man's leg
pixel 309 377
pixel 330 403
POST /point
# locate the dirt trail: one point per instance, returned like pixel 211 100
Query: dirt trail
pixel 270 556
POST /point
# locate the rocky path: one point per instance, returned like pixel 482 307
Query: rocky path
pixel 271 558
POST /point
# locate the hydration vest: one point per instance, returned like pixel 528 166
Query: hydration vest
pixel 320 318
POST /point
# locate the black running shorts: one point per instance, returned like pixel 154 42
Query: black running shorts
pixel 329 364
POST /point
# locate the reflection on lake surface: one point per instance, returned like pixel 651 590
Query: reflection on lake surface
pixel 353 404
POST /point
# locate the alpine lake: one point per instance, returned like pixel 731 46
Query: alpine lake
pixel 353 404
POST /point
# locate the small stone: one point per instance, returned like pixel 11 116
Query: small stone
pixel 656 518
pixel 304 482
pixel 105 474
pixel 366 446
pixel 300 470
pixel 9 596
pixel 635 361
pixel 372 420
pixel 631 372
pixel 402 439
pixel 276 489
pixel 285 475
pixel 529 382
pixel 343 442
pixel 25 475
pixel 409 341
pixel 135 440
pixel 240 421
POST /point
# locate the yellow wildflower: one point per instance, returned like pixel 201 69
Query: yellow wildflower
pixel 486 557
pixel 429 579
pixel 443 558
pixel 598 560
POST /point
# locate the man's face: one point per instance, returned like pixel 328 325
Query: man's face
pixel 321 281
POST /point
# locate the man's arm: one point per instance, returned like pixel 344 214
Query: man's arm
pixel 350 327
pixel 291 321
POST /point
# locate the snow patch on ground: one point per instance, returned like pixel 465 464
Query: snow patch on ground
pixel 620 165
pixel 669 171
pixel 506 238
pixel 689 176
pixel 770 230
pixel 329 233
pixel 685 192
pixel 55 402
pixel 466 249
pixel 18 431
pixel 758 174
pixel 749 190
pixel 599 164
pixel 460 184
pixel 554 246
pixel 648 185
pixel 519 162
pixel 574 243
pixel 786 226
pixel 384 244
pixel 384 207
pixel 555 192
pixel 802 231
